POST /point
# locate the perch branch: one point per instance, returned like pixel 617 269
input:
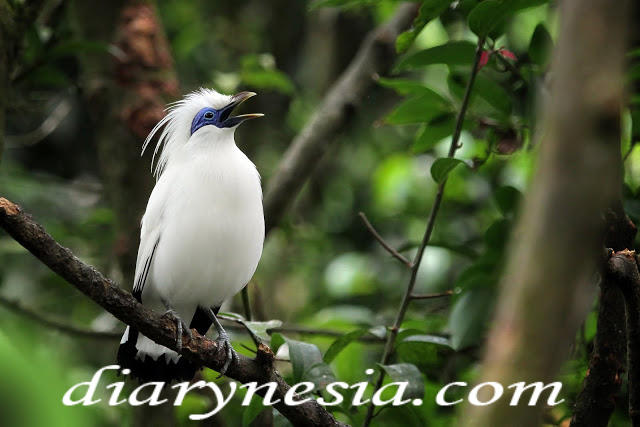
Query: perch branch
pixel 162 330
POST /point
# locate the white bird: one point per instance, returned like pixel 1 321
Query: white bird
pixel 202 231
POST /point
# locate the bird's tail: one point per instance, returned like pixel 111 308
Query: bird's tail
pixel 148 361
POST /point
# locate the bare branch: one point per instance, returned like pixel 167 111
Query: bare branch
pixel 160 329
pixel 623 271
pixel 21 309
pixel 376 56
pixel 383 242
pixel 600 388
pixel 431 296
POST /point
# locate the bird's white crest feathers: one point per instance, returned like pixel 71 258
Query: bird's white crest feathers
pixel 177 124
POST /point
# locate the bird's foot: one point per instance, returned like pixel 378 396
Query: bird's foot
pixel 225 344
pixel 181 327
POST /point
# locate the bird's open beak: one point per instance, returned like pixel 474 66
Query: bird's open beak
pixel 236 100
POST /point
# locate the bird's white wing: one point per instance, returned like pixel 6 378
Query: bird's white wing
pixel 150 233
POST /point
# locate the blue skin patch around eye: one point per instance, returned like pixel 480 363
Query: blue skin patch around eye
pixel 220 118
pixel 206 116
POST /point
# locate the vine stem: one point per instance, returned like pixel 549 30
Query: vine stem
pixel 407 298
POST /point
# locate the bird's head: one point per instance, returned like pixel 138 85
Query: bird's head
pixel 203 113
pixel 219 117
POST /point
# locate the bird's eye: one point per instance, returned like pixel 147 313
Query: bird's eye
pixel 208 115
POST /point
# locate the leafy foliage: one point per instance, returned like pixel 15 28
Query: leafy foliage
pixel 321 268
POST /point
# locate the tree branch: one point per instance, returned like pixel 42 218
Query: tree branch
pixel 50 322
pixel 376 56
pixel 598 397
pixel 431 296
pixel 161 329
pixel 623 271
pixel 383 242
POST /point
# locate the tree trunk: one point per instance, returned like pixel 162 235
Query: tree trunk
pixel 549 281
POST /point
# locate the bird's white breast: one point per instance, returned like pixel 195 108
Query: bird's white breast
pixel 212 227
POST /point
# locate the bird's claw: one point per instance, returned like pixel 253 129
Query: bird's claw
pixel 224 343
pixel 181 327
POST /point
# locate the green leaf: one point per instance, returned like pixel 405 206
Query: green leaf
pixel 435 131
pixel 508 199
pixel 341 343
pixel 452 53
pixel 490 14
pixel 268 79
pixel 442 167
pixel 260 71
pixel 486 16
pixel 430 10
pixel 259 329
pixel 405 333
pixel 404 86
pixel 540 46
pixel 494 93
pixel 320 375
pixel 469 317
pixel 406 372
pixel 303 356
pixel 424 351
pixel 193 403
pixel 420 109
pixel 460 249
pixel 476 275
pixel 430 339
pixel 487 96
pixel 497 235
pixel 255 408
pixel 277 340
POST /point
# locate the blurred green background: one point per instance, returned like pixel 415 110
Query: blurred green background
pixel 321 268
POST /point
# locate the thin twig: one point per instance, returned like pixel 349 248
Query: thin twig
pixel 30 313
pixel 432 296
pixel 388 350
pixel 383 242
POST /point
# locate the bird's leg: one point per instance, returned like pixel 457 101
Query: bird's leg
pixel 223 341
pixel 180 325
